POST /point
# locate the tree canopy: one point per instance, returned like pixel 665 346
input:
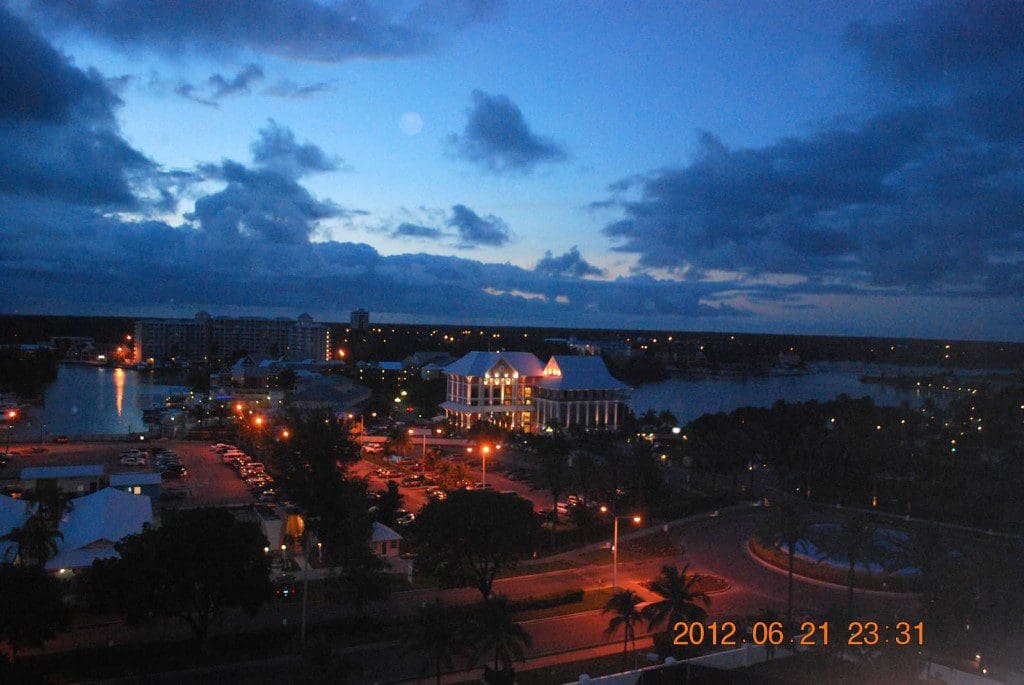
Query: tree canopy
pixel 469 537
pixel 32 608
pixel 195 566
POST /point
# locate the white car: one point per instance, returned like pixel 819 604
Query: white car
pixel 133 460
pixel 373 447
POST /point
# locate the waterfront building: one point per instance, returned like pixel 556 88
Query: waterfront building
pixel 207 337
pixel 579 390
pixel 515 390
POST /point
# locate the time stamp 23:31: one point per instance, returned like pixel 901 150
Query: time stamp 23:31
pixel 772 633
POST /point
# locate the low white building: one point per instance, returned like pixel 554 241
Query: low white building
pixel 93 524
pixel 384 542
pixel 13 514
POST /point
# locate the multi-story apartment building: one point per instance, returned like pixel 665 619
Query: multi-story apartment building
pixel 208 337
pixel 359 320
pixel 515 390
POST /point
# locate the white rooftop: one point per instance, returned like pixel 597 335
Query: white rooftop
pixel 579 372
pixel 478 363
pixel 95 522
pixel 381 533
pixel 13 514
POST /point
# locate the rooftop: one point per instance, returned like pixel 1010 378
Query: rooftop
pixel 478 363
pixel 44 472
pixel 579 372
pixel 135 478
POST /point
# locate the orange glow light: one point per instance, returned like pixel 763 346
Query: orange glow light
pixel 636 519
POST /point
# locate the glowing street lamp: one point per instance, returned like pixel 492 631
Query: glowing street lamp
pixel 615 544
pixel 484 451
pixel 286 434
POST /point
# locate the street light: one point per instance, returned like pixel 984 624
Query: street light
pixel 615 544
pixel 483 464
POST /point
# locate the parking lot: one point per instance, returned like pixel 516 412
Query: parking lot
pixel 415 497
pixel 208 483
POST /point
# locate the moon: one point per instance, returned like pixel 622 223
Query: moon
pixel 411 123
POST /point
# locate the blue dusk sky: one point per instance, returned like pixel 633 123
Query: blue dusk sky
pixel 808 167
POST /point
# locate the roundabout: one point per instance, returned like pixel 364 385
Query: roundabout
pixel 883 563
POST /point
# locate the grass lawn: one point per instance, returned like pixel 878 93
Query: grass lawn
pixel 525 569
pixel 657 543
pixel 592 599
pixel 707 583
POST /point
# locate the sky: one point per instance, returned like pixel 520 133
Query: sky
pixel 805 167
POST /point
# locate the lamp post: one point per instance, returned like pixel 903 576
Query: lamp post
pixel 615 544
pixel 423 444
pixel 11 415
pixel 483 464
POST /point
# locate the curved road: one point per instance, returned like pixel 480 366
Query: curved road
pixel 719 546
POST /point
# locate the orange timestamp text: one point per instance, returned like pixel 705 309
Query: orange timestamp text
pixel 810 634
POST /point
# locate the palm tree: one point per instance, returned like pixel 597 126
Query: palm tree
pixel 682 598
pixel 436 633
pixel 624 605
pixel 855 539
pixel 398 440
pixel 496 630
pixel 34 542
pixel 787 523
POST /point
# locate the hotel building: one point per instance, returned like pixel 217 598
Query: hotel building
pixel 221 337
pixel 515 390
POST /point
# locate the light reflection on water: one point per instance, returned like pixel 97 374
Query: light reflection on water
pixel 89 400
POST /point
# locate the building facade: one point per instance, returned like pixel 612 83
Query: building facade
pixel 208 337
pixel 515 390
pixel 359 320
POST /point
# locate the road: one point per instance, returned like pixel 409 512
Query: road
pixel 715 545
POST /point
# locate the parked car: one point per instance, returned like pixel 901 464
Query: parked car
pixel 174 471
pixel 61 439
pixel 436 493
pixel 404 518
pixel 373 447
pixel 285 587
pixel 133 460
pixel 480 486
pixel 413 481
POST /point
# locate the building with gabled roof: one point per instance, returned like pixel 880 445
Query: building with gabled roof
pixel 13 514
pixel 515 390
pixel 579 390
pixel 93 524
pixel 492 386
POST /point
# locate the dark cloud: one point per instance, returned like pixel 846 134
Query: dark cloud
pixel 58 132
pixel 108 265
pixel 476 231
pixel 190 91
pixel 266 203
pixel 286 88
pixel 569 264
pixel 408 230
pixel 940 40
pixel 300 29
pixel 276 148
pixel 498 138
pixel 223 86
pixel 218 86
pixel 927 196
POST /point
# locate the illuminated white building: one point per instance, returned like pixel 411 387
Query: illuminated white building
pixel 515 390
